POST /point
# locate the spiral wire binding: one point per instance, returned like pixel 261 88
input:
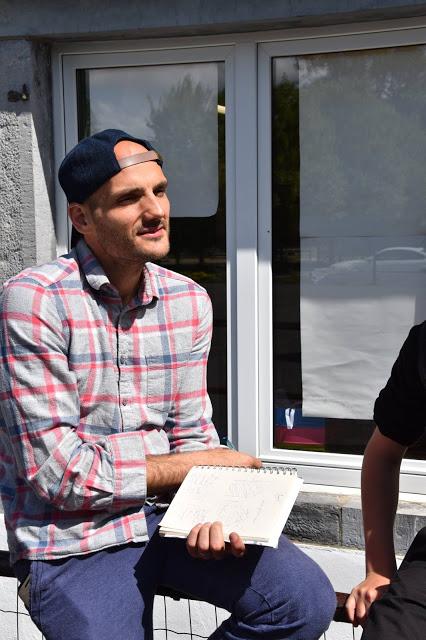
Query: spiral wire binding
pixel 268 469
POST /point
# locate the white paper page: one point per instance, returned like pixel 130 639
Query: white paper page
pixel 250 503
pixel 348 348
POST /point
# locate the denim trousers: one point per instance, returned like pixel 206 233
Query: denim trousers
pixel 401 613
pixel 108 595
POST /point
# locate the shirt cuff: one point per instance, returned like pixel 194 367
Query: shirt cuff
pixel 129 467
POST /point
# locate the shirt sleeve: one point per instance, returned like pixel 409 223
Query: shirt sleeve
pixel 400 409
pixel 40 410
pixel 189 425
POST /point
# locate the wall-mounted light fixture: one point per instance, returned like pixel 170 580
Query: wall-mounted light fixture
pixel 16 96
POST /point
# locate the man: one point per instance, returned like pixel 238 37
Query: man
pixel 105 410
pixel 390 604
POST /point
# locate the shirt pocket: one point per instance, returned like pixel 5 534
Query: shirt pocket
pixel 161 385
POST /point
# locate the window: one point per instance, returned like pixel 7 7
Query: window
pixel 345 242
pixel 310 238
pixel 180 108
pixel 348 143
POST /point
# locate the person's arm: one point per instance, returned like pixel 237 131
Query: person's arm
pixel 194 441
pixel 379 489
pixel 167 472
pixel 400 415
pixel 191 433
pixel 39 400
pixel 189 425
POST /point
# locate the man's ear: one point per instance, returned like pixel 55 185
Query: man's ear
pixel 78 216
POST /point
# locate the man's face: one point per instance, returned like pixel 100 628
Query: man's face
pixel 128 217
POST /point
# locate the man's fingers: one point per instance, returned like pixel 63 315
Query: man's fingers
pixel 360 612
pixel 350 607
pixel 191 541
pixel 232 458
pixel 238 547
pixel 355 607
pixel 217 543
pixel 203 542
pixel 368 597
pixel 360 600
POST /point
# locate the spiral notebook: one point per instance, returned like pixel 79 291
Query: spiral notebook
pixel 255 503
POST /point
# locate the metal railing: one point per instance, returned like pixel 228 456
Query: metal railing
pixel 165 627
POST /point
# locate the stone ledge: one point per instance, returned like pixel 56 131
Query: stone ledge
pixel 332 520
pixel 336 520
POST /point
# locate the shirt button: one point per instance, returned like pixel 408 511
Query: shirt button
pixel 122 360
pixel 124 402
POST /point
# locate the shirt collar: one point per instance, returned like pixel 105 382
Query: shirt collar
pixel 149 288
pixel 98 280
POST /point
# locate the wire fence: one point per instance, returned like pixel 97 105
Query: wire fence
pixel 173 620
pixel 189 629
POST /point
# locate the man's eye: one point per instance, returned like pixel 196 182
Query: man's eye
pixel 160 193
pixel 126 200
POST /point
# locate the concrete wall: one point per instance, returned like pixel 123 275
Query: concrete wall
pixel 100 18
pixel 26 186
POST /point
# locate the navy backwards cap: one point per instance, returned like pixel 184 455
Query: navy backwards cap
pixel 92 162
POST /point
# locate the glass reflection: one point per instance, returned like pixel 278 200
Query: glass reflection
pixel 173 106
pixel 181 110
pixel 349 247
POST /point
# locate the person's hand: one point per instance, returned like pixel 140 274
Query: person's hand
pixel 205 542
pixel 363 595
pixel 166 472
pixel 230 458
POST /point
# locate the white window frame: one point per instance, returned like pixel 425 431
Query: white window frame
pixel 247 60
pixel 68 59
pixel 315 467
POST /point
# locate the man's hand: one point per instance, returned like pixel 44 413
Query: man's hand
pixel 229 458
pixel 205 542
pixel 166 472
pixel 363 595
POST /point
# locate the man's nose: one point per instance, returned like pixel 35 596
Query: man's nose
pixel 153 207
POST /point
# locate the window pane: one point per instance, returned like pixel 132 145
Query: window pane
pixel 173 106
pixel 181 110
pixel 349 248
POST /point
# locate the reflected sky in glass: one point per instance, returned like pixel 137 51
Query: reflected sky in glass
pixel 173 106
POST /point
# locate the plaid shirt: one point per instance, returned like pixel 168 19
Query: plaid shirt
pixel 88 387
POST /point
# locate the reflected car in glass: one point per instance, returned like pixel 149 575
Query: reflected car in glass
pixel 395 263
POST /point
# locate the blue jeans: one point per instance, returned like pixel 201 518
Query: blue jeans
pixel 108 595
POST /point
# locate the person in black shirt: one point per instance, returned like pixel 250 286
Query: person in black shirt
pixel 398 597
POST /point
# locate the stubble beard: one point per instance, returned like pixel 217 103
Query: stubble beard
pixel 120 248
pixel 153 256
